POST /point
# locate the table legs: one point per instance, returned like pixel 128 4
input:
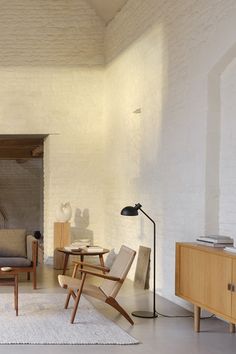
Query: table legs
pixel 81 260
pixel 102 261
pixel 66 259
pixel 16 293
pixel 197 312
pixel 65 262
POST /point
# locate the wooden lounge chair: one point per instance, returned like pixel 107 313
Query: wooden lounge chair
pixel 109 287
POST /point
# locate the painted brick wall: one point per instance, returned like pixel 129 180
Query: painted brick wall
pixel 166 58
pixel 52 82
pixel 51 33
pixel 227 87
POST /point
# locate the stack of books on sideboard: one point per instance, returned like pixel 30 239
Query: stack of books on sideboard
pixel 216 241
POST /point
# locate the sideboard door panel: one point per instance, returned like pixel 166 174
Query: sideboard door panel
pixel 218 276
pixel 203 278
pixel 234 290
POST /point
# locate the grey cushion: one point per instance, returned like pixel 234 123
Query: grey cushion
pixel 12 243
pixel 14 262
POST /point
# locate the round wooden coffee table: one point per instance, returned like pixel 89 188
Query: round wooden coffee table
pixel 82 254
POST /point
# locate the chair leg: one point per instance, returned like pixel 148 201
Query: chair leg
pixel 111 301
pixel 68 299
pixel 78 298
pixel 28 275
pixel 34 280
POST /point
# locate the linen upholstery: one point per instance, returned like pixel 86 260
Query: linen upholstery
pixel 120 269
pixel 74 283
pixel 12 243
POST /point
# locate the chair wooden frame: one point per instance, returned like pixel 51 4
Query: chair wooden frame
pixel 77 295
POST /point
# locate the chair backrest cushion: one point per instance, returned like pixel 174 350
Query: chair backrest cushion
pixel 120 269
pixel 12 243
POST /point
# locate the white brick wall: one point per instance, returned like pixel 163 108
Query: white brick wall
pixel 165 56
pixel 50 33
pixel 48 87
pixel 67 104
pixel 227 212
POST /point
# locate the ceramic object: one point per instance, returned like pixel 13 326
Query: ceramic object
pixel 64 212
pixel 6 269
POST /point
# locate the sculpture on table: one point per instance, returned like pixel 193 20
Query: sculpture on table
pixel 64 212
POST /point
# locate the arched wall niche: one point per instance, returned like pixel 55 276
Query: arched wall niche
pixel 220 193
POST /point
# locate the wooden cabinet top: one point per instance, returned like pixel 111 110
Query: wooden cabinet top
pixel 216 250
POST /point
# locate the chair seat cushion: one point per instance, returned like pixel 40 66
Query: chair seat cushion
pixel 74 283
pixel 14 262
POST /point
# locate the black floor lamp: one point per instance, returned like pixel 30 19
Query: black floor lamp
pixel 133 211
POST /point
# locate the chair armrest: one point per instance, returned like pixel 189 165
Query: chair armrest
pixel 32 248
pixel 105 276
pixel 84 264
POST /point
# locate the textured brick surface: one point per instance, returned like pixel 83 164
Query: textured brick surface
pixel 66 104
pixel 39 32
pixel 167 58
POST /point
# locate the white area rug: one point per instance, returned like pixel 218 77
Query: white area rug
pixel 43 320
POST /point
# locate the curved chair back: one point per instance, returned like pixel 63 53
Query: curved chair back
pixel 120 268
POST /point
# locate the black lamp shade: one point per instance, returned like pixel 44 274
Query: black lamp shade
pixel 129 211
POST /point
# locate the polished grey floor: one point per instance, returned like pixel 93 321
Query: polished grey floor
pixel 162 335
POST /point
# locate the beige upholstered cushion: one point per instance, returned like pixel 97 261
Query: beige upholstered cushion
pixel 12 243
pixel 74 283
pixel 119 269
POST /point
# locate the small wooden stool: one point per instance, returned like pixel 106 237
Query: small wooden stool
pixel 13 281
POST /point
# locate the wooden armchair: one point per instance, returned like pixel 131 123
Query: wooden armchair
pixel 109 287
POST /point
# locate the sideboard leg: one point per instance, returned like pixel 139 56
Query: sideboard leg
pixel 197 312
pixel 232 327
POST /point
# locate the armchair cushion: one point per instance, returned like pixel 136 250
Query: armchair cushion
pixel 12 243
pixel 74 283
pixel 14 262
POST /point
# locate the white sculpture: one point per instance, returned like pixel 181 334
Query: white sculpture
pixel 64 212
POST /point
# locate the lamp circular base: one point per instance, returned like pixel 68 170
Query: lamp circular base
pixel 145 314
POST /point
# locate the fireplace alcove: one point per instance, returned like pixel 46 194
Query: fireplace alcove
pixel 21 182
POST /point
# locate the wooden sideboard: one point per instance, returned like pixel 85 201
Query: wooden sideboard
pixel 206 277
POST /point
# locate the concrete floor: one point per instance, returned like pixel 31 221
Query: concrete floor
pixel 161 335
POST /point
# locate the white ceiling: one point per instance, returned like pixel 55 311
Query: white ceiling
pixel 107 9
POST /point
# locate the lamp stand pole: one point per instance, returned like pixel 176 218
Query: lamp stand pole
pixel 148 314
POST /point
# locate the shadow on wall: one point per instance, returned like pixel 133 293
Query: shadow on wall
pixel 80 230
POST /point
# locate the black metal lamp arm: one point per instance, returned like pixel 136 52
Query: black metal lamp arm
pixel 133 211
pixel 154 258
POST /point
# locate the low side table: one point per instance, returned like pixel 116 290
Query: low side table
pixel 10 278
